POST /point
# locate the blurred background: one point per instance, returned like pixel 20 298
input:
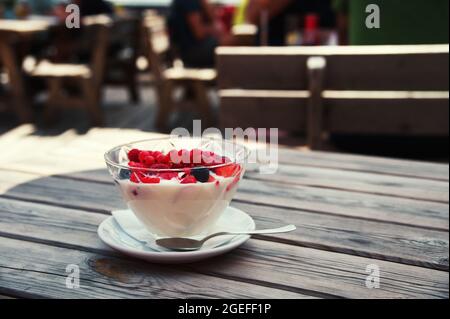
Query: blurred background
pixel 337 75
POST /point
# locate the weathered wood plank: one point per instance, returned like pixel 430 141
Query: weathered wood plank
pixel 359 182
pixel 370 164
pixel 308 270
pixel 405 117
pixel 35 270
pixel 285 113
pixel 337 202
pixel 395 242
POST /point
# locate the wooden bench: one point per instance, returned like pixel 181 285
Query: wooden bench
pixel 262 87
pixel 379 90
pixel 396 90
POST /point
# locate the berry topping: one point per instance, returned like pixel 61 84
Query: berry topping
pixel 227 171
pixel 143 155
pixel 201 174
pixel 188 180
pixel 133 155
pixel 150 180
pixel 149 160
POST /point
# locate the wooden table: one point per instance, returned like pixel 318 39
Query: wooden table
pixel 351 212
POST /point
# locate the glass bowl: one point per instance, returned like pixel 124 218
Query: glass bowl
pixel 178 187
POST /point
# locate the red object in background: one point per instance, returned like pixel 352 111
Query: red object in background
pixel 311 21
pixel 226 15
pixel 311 34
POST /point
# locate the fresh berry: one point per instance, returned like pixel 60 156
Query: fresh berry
pixel 136 165
pixel 143 155
pixel 211 179
pixel 134 178
pixel 188 180
pixel 201 174
pixel 162 159
pixel 150 180
pixel 227 171
pixel 133 155
pixel 124 174
pixel 149 161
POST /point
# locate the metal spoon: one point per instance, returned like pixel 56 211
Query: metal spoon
pixel 193 244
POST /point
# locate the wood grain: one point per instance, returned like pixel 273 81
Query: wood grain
pixel 411 245
pixel 36 270
pixel 310 271
pixel 369 164
pixel 398 186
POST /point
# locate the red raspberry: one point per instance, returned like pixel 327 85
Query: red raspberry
pixel 228 171
pixel 135 179
pixel 150 180
pixel 149 161
pixel 143 155
pixel 188 180
pixel 162 159
pixel 135 164
pixel 211 179
pixel 133 155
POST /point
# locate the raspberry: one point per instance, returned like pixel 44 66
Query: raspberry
pixel 135 179
pixel 135 164
pixel 133 155
pixel 211 179
pixel 162 159
pixel 143 155
pixel 150 180
pixel 149 160
pixel 188 180
pixel 228 171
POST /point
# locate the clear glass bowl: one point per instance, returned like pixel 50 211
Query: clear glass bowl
pixel 183 189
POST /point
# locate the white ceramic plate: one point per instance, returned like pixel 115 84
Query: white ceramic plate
pixel 232 219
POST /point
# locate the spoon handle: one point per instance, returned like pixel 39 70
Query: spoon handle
pixel 284 229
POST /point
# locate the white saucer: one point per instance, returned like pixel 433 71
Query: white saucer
pixel 233 219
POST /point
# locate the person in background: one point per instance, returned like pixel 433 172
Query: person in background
pixel 278 12
pixel 94 7
pixel 402 22
pixel 195 32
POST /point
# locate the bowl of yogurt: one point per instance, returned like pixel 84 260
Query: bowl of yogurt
pixel 178 187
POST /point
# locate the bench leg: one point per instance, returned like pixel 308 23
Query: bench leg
pixel 315 131
pixel 52 108
pixel 203 103
pixel 165 107
pixel 92 97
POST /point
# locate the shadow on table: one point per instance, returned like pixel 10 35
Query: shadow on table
pixel 65 210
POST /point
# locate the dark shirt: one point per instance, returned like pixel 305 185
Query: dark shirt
pixel 95 7
pixel 180 32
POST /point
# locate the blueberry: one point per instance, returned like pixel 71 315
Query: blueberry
pixel 124 174
pixel 201 174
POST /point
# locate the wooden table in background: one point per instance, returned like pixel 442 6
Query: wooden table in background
pixel 351 212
